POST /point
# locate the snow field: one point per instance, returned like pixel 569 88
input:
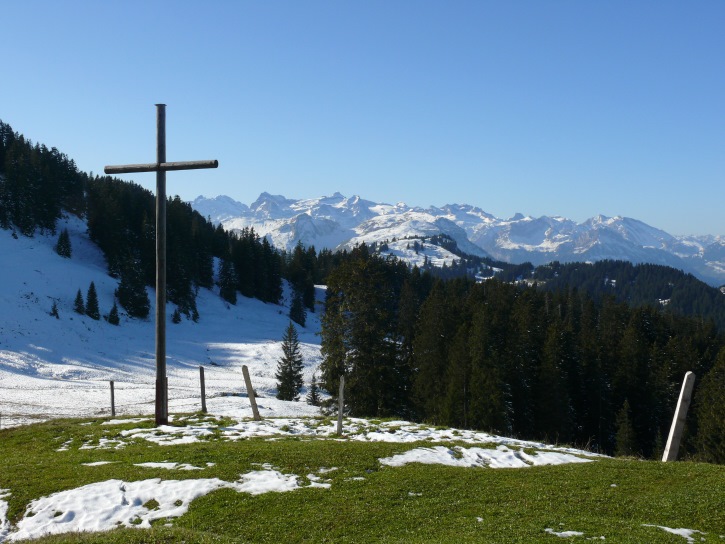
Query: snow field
pixel 52 368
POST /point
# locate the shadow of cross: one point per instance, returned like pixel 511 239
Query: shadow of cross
pixel 161 167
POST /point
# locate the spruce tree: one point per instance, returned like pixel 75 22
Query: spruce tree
pixel 176 316
pixel 313 395
pixel 78 305
pixel 289 367
pixel 131 291
pixel 54 310
pixel 710 409
pixel 228 281
pixel 113 315
pixel 63 247
pixel 92 310
pixel 297 311
pixel 625 440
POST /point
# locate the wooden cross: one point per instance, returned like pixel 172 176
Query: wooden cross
pixel 160 167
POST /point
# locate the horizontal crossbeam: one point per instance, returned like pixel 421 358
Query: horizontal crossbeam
pixel 160 167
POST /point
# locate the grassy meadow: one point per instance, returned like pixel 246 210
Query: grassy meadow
pixel 615 500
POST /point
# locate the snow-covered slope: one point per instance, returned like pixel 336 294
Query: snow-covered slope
pixel 60 367
pixel 338 221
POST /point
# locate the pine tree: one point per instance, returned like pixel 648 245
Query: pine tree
pixel 625 440
pixel 63 247
pixel 131 291
pixel 289 367
pixel 113 315
pixel 313 395
pixel 297 311
pixel 92 310
pixel 358 335
pixel 54 310
pixel 78 305
pixel 176 316
pixel 228 281
pixel 711 413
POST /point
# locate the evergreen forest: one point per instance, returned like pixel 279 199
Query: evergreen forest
pixel 512 359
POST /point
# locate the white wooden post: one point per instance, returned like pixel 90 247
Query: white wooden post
pixel 678 422
pixel 340 404
pixel 250 393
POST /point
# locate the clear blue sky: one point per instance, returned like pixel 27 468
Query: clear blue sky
pixel 542 107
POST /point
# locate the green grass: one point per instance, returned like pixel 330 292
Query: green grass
pixel 414 503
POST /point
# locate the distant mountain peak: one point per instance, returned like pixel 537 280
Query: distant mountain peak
pixel 338 221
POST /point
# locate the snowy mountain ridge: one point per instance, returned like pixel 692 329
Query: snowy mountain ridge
pixel 338 222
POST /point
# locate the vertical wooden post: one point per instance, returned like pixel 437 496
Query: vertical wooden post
pixel 340 404
pixel 678 422
pixel 250 393
pixel 162 399
pixel 203 389
pixel 113 401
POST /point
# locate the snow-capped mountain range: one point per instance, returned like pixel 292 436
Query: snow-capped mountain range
pixel 337 221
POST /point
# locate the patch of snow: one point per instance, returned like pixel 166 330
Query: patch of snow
pixel 501 457
pixel 510 451
pixel 563 534
pixel 316 481
pixel 4 523
pixel 104 444
pixel 168 466
pixel 103 506
pixel 266 481
pixel 65 446
pixel 98 463
pixel 687 534
pixel 125 421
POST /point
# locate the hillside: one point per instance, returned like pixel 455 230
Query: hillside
pixel 66 362
pixel 637 285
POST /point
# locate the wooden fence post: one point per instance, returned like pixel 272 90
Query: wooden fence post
pixel 113 401
pixel 250 393
pixel 678 422
pixel 340 404
pixel 203 389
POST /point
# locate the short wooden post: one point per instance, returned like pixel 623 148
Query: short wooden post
pixel 340 404
pixel 203 389
pixel 678 422
pixel 250 393
pixel 113 401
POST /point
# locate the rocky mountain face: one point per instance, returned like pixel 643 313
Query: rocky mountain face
pixel 337 221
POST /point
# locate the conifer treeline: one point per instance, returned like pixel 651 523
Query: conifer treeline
pixel 37 185
pixel 509 359
pixel 638 285
pixel 121 221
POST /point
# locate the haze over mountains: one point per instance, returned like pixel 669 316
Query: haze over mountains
pixel 337 221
